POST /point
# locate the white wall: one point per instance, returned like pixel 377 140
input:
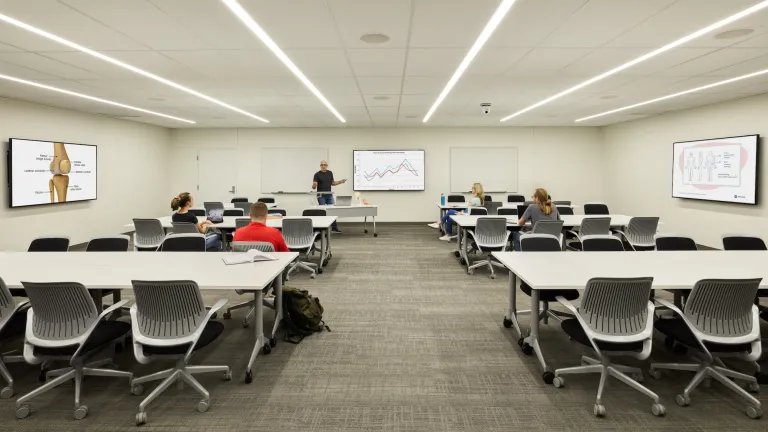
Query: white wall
pixel 566 161
pixel 132 174
pixel 638 175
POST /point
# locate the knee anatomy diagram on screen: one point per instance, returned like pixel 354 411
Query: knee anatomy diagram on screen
pixel 60 167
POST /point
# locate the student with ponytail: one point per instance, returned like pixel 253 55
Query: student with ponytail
pixel 541 209
pixel 181 203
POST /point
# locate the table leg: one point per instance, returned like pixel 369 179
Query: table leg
pixel 98 300
pixel 365 224
pixel 258 298
pixel 323 247
pixel 464 239
pixel 374 226
pixel 278 289
pixel 329 232
pixel 533 338
pixel 510 320
pixel 116 294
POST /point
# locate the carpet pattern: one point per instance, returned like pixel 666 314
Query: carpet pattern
pixel 417 345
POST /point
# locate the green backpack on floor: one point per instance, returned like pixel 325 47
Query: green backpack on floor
pixel 302 314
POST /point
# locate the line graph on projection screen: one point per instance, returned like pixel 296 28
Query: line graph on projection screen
pixel 389 170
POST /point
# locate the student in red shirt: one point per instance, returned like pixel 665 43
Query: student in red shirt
pixel 258 231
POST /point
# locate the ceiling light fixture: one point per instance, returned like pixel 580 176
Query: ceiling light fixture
pixel 722 23
pixel 381 98
pixel 249 22
pixel 93 98
pixel 374 38
pixel 123 65
pixel 674 95
pixel 606 97
pixel 494 22
pixel 734 34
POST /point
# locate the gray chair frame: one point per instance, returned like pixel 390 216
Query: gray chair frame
pixel 300 236
pixel 640 232
pixel 490 234
pixel 148 234
pixel 245 247
pixel 184 228
pixel 8 310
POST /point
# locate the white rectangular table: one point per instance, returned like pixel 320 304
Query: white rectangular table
pixel 232 205
pixel 342 211
pixel 673 270
pixel 115 270
pixel 319 223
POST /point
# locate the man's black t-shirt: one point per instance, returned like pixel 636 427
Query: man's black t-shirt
pixel 324 181
pixel 184 217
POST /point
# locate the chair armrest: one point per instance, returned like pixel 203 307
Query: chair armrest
pixel 568 305
pixel 218 305
pixel 690 326
pixel 101 316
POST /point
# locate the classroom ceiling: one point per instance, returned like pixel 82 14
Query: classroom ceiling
pixel 541 48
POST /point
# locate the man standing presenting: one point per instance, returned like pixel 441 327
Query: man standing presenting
pixel 322 182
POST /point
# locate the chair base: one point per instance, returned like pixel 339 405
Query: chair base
pixel 605 368
pixel 311 267
pixel 485 263
pixel 182 373
pixel 718 371
pixel 76 373
pixel 8 390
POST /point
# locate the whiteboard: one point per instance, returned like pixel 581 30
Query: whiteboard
pixel 290 169
pixel 494 167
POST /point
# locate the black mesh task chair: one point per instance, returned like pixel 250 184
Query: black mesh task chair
pixel 456 199
pixel 233 212
pixel 199 212
pixel 478 211
pixel 743 243
pixel 314 212
pixel 487 198
pixel 601 243
pixel 676 243
pixel 117 243
pixel 184 243
pixel 513 198
pixel 49 244
pixel 266 200
pixel 506 211
pixel 239 199
pixel 596 209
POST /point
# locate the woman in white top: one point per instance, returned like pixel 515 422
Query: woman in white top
pixel 478 198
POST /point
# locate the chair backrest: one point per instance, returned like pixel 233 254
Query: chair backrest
pixel 344 200
pixel 281 212
pixel 211 205
pixel 595 226
pixel 562 203
pixel 743 242
pixel 199 212
pixel 7 304
pixel 513 198
pixel 241 222
pixel 478 211
pixel 540 243
pixel 49 244
pixel 527 203
pixel 506 211
pixel 184 228
pixel 245 206
pixel 596 209
pixel 564 210
pixel 642 230
pixel 491 232
pixel 246 246
pixel 168 309
pixel 118 243
pixel 62 310
pixel 492 207
pixel 675 243
pixel 184 243
pixel 722 307
pixel 239 199
pixel 234 212
pixel 551 227
pixel 456 199
pixel 149 232
pixel 266 200
pixel 521 208
pixel 616 306
pixel 601 243
pixel 298 232
pixel 314 212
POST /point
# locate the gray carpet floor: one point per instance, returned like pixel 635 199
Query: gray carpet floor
pixel 417 345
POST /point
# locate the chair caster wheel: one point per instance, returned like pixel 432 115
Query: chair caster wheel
pixel 762 378
pixel 638 377
pixel 287 278
pixel 493 276
pixel 248 377
pixel 456 254
pixel 548 377
pixel 266 349
pixel 312 276
pixel 137 390
pixel 462 261
pixel 683 400
pixel 22 411
pixel 81 412
pixel 558 382
pixel 320 271
pixel 658 410
pixel 655 373
pixel 273 342
pixel 599 410
pixel 43 375
pixel 527 349
pixel 753 387
pixel 141 418
pixel 470 271
pixel 375 234
pixel 754 413
pixel 245 324
pixel 507 323
pixel 228 375
pixel 227 315
pixel 6 393
pixel 365 231
pixel 202 406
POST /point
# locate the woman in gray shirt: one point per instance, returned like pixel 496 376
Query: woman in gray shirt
pixel 541 209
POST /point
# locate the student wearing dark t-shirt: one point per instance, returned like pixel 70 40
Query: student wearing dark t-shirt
pixel 181 204
pixel 322 182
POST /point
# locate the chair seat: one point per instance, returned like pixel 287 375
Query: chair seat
pixel 15 327
pixel 104 333
pixel 677 330
pixel 568 234
pixel 576 245
pixel 573 328
pixel 549 295
pixel 211 331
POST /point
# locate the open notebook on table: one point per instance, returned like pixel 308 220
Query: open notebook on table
pixel 251 256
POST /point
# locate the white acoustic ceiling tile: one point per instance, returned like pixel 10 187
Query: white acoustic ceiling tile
pixel 331 87
pixel 294 24
pixel 440 62
pixel 355 18
pixel 666 60
pixel 449 23
pixel 370 85
pixel 524 26
pixel 321 63
pixel 225 64
pixel 46 65
pixel 346 100
pixel 602 60
pixel 541 61
pixel 382 100
pixel 9 48
pixel 377 62
pixel 757 41
pixel 417 100
pixel 715 61
pixel 743 68
pixel 424 85
pixel 495 61
pixel 382 111
pixel 24 73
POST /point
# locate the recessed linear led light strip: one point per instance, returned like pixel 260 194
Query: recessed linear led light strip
pixel 490 27
pixel 690 37
pixel 93 98
pixel 116 62
pixel 674 95
pixel 252 25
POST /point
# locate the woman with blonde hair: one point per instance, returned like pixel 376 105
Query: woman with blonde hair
pixel 541 209
pixel 478 198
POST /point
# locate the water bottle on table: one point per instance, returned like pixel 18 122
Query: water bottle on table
pixel 442 199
